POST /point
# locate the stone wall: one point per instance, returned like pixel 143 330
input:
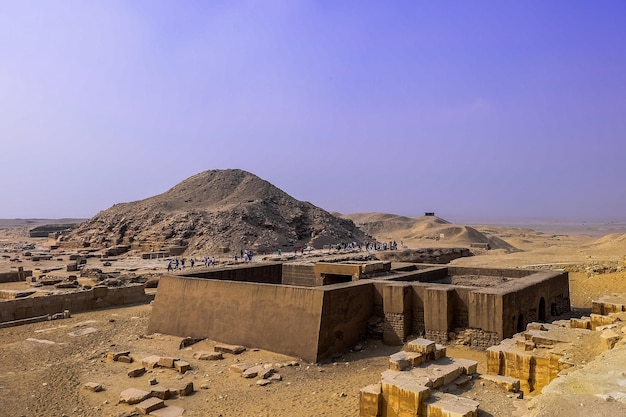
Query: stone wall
pixel 266 273
pixel 75 302
pixel 15 276
pixel 299 274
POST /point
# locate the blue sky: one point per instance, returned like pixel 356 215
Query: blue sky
pixel 482 110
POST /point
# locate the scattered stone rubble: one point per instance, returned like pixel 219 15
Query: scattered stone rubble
pixel 545 351
pixel 413 384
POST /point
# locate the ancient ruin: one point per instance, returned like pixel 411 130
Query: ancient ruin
pixel 315 310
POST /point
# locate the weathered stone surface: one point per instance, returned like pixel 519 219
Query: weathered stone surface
pixel 166 362
pixel 233 349
pixel 399 361
pixel 263 382
pixel 252 372
pixel 186 390
pixel 450 405
pixel 420 345
pixel 114 356
pixel 136 372
pixel 508 383
pixel 168 411
pixel 276 377
pixel 84 331
pixel 239 367
pixel 149 405
pixel 93 386
pixel 609 338
pixel 150 361
pixel 188 341
pixel 370 401
pixel 125 359
pixel 182 366
pixel 208 356
pixel 160 392
pixel 133 396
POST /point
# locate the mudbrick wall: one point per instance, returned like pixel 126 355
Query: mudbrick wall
pixel 15 276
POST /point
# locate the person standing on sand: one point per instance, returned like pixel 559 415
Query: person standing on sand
pixel 192 262
pixel 169 265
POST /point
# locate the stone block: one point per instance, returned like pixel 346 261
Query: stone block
pixel 600 320
pixel 150 362
pixel 114 356
pixel 208 356
pixel 186 390
pixel 182 366
pixel 125 359
pixel 160 392
pixel 149 405
pixel 263 382
pixel 239 368
pixel 253 371
pixel 505 382
pixel 449 405
pixel 166 362
pixel 93 386
pixel 232 349
pixel 420 345
pixel 133 396
pixel 609 338
pixel 440 351
pixel 403 398
pixel 582 323
pixel 168 411
pixel 469 366
pixel 370 401
pixel 136 372
pixel 399 361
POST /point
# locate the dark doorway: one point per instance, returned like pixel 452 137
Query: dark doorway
pixel 329 279
pixel 521 326
pixel 541 314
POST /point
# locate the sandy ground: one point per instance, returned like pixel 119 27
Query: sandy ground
pixel 43 367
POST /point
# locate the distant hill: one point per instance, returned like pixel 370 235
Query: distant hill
pixel 213 210
pixel 423 231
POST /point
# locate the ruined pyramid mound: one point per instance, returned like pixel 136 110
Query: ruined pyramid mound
pixel 214 210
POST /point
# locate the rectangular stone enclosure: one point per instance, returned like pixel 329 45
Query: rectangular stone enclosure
pixel 261 306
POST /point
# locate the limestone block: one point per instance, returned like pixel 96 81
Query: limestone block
pixel 506 382
pixel 399 361
pixel 182 366
pixel 125 359
pixel 469 366
pixel 599 320
pixel 582 323
pixel 420 345
pixel 276 377
pixel 166 362
pixel 93 386
pixel 114 356
pixel 252 372
pixel 160 392
pixel 370 401
pixel 609 338
pixel 239 367
pixel 233 349
pixel 149 405
pixel 404 398
pixel 449 405
pixel 536 326
pixel 208 356
pixel 440 351
pixel 263 382
pixel 150 361
pixel 495 360
pixel 168 411
pixel 133 396
pixel 136 372
pixel 186 390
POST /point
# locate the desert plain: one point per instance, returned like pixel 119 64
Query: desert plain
pixel 44 366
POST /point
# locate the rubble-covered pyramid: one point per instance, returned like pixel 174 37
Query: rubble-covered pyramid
pixel 213 210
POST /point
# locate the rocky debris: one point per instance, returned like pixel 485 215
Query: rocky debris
pixel 136 372
pixel 232 349
pixel 168 411
pixel 161 392
pixel 151 361
pixel 186 390
pixel 115 356
pixel 93 386
pixel 208 356
pixel 166 362
pixel 188 341
pixel 149 405
pixel 182 366
pixel 133 396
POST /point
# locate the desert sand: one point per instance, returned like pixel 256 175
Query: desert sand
pixel 43 368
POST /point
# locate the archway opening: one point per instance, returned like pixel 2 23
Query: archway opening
pixel 541 313
pixel 520 323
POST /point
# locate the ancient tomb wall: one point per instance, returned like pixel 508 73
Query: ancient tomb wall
pixel 15 276
pixel 544 295
pixel 299 274
pixel 496 272
pixel 345 313
pixel 75 302
pixel 278 318
pixel 269 274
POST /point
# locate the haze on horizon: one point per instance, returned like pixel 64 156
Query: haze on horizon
pixel 481 110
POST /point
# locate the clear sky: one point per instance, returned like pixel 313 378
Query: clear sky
pixel 470 109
